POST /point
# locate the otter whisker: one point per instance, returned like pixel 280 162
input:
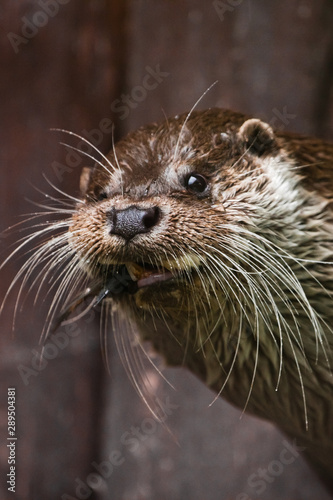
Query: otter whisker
pixel 117 162
pixel 52 210
pixel 277 314
pixel 257 337
pixel 319 334
pixel 175 153
pixel 105 158
pixel 106 320
pixel 67 276
pixel 58 190
pixel 155 367
pixel 205 287
pixel 29 265
pixel 220 391
pixel 130 362
pixel 84 153
pixel 280 294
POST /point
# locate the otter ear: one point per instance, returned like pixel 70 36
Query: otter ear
pixel 258 136
pixel 84 180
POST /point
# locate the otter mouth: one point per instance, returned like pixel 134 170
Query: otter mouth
pixel 116 279
pixel 147 275
pixel 131 277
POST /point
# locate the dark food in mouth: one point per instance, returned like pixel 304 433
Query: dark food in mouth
pixel 130 277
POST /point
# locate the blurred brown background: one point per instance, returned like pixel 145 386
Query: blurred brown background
pixel 78 65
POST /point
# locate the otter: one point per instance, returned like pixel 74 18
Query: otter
pixel 212 233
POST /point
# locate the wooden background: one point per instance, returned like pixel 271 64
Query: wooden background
pixel 70 68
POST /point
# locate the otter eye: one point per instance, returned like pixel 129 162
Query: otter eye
pixel 196 183
pixel 102 196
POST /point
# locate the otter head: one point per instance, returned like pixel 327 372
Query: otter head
pixel 167 204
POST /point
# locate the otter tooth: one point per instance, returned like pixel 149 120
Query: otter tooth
pixel 134 270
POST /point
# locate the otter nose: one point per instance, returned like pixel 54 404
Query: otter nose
pixel 133 220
